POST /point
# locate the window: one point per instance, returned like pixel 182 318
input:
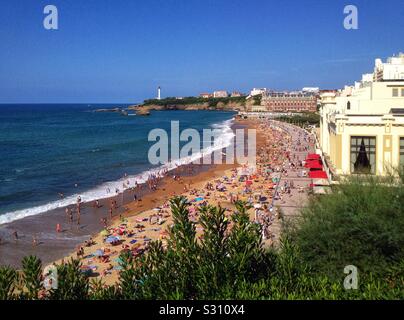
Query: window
pixel 348 105
pixel 363 155
pixel 401 153
pixel 395 92
pixel 402 92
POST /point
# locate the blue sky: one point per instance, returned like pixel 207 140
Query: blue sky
pixel 120 51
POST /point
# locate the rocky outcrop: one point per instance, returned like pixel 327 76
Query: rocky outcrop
pixel 142 112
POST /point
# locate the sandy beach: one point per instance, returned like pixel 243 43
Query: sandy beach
pixel 275 190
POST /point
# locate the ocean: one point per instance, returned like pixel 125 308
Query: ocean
pixel 48 149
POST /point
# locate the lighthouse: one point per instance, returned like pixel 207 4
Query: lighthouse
pixel 159 93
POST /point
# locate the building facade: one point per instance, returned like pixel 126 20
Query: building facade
pixel 258 91
pixel 206 95
pixel 362 126
pixel 236 94
pixel 290 101
pixel 220 94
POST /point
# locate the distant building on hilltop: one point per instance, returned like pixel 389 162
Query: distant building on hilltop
pixel 206 95
pixel 220 94
pixel 257 91
pixel 311 89
pixel 236 94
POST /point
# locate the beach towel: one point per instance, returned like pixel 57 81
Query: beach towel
pixel 118 260
pixel 133 241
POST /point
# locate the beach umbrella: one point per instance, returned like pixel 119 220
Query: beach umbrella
pixel 98 253
pixel 318 174
pixel 112 239
pixel 86 270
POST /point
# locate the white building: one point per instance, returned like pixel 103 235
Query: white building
pixel 392 69
pixel 362 126
pixel 220 94
pixel 159 93
pixel 257 91
pixel 311 89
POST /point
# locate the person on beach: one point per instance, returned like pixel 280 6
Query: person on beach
pixel 104 222
pixel 110 213
pixel 68 213
pixel 70 216
pixel 34 241
pixel 15 234
pixel 58 228
pixel 78 217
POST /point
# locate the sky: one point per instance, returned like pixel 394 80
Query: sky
pixel 115 51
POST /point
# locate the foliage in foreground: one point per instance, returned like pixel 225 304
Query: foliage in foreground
pixel 228 262
pixel 361 223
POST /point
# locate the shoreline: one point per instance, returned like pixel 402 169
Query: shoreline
pixel 52 246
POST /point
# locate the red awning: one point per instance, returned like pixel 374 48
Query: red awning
pixel 314 164
pixel 313 156
pixel 318 174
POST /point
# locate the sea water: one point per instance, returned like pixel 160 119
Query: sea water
pixel 50 149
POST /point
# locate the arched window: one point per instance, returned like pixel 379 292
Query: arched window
pixel 348 105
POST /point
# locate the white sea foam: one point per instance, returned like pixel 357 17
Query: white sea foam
pixel 100 192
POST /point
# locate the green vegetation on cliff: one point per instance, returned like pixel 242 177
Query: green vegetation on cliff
pixel 212 102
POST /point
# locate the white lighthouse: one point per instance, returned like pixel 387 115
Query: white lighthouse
pixel 159 93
